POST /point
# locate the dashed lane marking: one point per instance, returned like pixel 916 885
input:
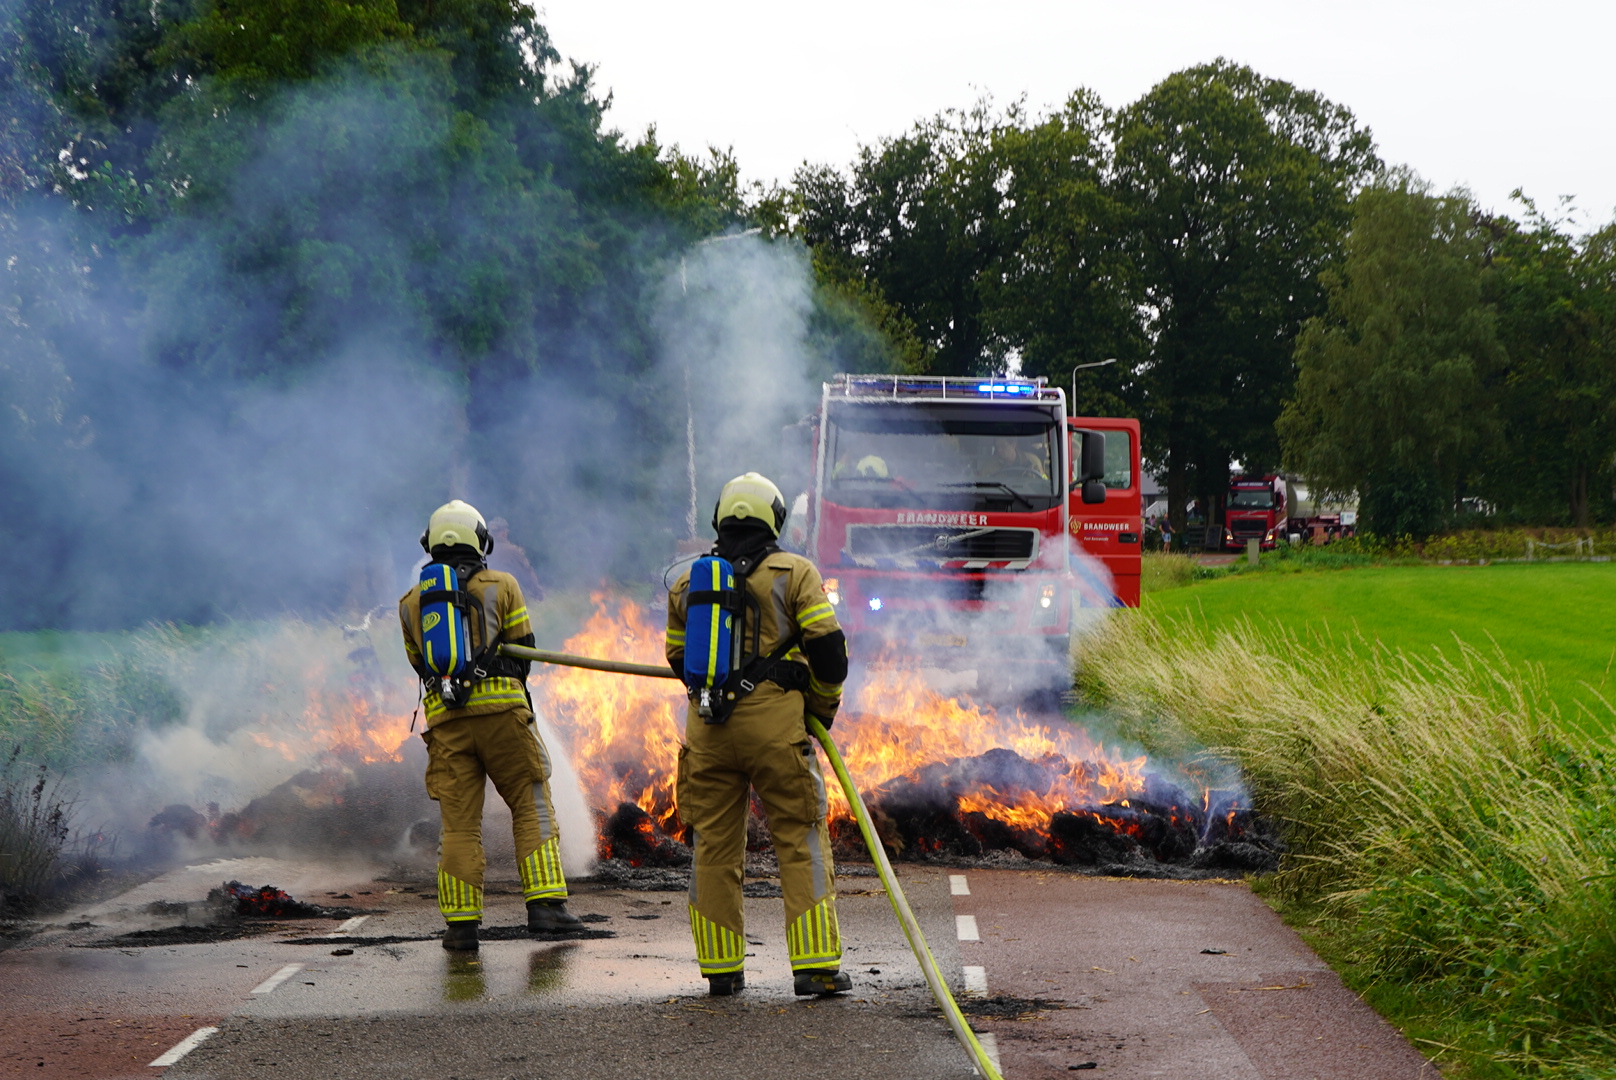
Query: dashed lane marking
pixel 276 979
pixel 976 980
pixel 957 885
pixel 344 928
pixel 990 1044
pixel 183 1047
pixel 965 927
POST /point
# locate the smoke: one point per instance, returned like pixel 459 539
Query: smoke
pixel 241 418
pixel 732 322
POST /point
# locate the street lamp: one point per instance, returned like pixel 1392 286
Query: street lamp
pixel 1080 367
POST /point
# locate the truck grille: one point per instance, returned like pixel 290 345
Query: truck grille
pixel 931 543
pixel 942 589
pixel 1248 528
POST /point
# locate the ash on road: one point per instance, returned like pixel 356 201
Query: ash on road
pixel 1057 972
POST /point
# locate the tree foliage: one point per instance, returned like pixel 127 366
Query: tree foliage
pixel 1394 379
pixel 391 245
pixel 1182 235
pixel 1240 188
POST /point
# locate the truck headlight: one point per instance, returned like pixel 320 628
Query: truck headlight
pixel 1048 596
pixel 833 591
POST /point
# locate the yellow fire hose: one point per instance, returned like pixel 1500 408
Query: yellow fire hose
pixel 900 903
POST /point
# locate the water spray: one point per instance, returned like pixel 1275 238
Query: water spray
pixel 900 904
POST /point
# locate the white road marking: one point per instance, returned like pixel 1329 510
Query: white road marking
pixel 990 1043
pixel 183 1047
pixel 957 885
pixel 276 979
pixel 349 925
pixel 965 927
pixel 976 980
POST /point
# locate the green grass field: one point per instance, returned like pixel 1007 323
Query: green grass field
pixel 1558 616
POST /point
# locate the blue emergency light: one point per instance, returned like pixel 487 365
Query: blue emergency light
pixel 1005 388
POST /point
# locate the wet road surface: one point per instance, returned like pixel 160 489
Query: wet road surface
pixel 1118 964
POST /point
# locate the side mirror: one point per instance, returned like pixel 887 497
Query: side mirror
pixel 1093 459
pixel 1093 491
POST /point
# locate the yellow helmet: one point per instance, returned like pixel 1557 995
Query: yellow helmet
pixel 751 495
pixel 457 522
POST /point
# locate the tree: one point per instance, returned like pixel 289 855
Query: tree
pixel 1238 189
pixel 1554 302
pixel 922 217
pixel 1064 294
pixel 1392 394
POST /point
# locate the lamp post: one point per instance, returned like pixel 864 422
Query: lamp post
pixel 1080 367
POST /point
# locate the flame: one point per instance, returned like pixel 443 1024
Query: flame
pixel 329 715
pixel 623 733
pixel 902 724
pixel 624 736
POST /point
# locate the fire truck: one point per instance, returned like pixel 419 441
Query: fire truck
pixel 938 510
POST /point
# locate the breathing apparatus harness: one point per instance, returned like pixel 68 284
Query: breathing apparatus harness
pixel 722 666
pixel 448 667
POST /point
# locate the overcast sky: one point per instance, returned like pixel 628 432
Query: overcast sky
pixel 1490 95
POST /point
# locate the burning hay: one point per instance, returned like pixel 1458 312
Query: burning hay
pixel 944 777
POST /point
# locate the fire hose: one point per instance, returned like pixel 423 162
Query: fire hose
pixel 900 904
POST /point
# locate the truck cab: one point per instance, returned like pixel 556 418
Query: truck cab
pixel 937 512
pixel 1257 509
pixel 1110 531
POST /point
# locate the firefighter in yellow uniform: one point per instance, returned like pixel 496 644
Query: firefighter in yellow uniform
pixel 763 744
pixel 485 732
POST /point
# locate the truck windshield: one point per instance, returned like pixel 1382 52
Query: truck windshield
pixel 1251 500
pixel 909 454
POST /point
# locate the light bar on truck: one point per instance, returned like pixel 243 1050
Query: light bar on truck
pixel 890 387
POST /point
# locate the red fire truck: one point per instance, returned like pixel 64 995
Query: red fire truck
pixel 1111 529
pixel 938 511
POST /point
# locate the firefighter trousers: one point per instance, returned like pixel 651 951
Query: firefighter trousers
pixel 763 746
pixel 462 755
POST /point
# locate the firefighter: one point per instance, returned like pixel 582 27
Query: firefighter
pixel 489 733
pixel 763 744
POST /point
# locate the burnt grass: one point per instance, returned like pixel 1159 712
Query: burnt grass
pixel 186 935
pixel 1008 1008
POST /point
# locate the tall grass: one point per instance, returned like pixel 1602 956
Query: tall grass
pixel 1456 843
pixel 1161 570
pixel 35 823
pixel 69 718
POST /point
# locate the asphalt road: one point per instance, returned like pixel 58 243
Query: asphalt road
pixel 1057 971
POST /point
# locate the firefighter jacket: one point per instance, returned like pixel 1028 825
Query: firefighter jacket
pixel 791 603
pixel 504 613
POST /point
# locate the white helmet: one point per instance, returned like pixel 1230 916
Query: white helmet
pixel 457 522
pixel 751 495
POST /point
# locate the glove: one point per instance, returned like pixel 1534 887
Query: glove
pixel 824 721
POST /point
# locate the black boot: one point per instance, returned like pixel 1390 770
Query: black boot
pixel 461 935
pixel 821 981
pixel 551 917
pixel 731 982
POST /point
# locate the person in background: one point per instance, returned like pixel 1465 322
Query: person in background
pixel 510 559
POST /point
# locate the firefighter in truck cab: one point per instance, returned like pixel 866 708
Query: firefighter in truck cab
pixel 758 647
pixel 479 725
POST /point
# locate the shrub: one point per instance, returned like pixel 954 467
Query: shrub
pixel 35 822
